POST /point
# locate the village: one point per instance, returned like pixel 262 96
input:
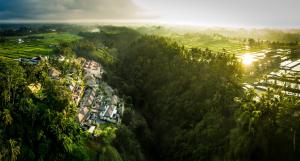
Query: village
pixel 97 102
pixel 285 77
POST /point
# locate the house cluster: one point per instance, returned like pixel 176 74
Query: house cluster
pixel 286 78
pixel 92 71
pixel 109 108
pixel 97 101
pixel 99 104
pixel 97 107
pixel 73 83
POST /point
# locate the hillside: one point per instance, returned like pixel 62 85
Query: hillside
pixel 146 94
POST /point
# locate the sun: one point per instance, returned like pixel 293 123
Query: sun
pixel 247 59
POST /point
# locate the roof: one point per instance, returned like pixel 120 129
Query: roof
pixel 38 58
pixel 91 97
pixel 34 87
pixel 93 93
pixel 91 65
pixel 80 117
pixel 102 108
pixel 114 99
pixel 54 72
pixel 91 129
pixel 109 112
pixel 84 111
pixel 89 102
pixel 90 80
pixel 96 106
pixel 82 114
pixel 296 69
pixel 293 64
pixel 285 63
pixel 71 87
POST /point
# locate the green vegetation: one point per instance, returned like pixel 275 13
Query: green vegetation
pixel 35 128
pixel 164 83
pixel 183 92
pixel 33 45
pixel 232 40
pixel 267 129
pixel 191 39
pixel 194 108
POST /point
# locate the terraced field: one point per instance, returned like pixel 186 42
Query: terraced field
pixel 34 45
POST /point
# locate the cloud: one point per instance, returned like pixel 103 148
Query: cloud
pixel 248 13
pixel 68 9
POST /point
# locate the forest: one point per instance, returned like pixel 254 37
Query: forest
pixel 184 102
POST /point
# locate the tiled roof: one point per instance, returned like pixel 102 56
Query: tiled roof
pixel 109 112
pixel 54 72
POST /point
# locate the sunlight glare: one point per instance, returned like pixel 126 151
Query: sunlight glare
pixel 247 59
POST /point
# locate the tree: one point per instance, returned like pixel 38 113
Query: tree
pixel 44 123
pixel 6 117
pixel 109 153
pixel 14 149
pixel 266 129
pixel 183 94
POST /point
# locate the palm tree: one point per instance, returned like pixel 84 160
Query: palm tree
pixel 3 152
pixel 14 149
pixel 6 117
pixel 10 150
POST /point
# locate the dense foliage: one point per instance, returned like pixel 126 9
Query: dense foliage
pixel 186 94
pixel 267 129
pixel 182 104
pixel 194 107
pixel 35 126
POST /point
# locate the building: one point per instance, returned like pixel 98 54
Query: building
pixel 90 80
pixel 20 41
pixel 111 112
pixel 114 100
pixel 89 97
pixel 54 73
pixel 296 68
pixel 33 61
pixel 92 129
pixel 82 114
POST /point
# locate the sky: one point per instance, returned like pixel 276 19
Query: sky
pixel 243 13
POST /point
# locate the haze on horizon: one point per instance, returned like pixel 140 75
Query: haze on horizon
pixel 231 13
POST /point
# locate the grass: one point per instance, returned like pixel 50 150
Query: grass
pixel 34 45
pixel 215 43
pixel 211 41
